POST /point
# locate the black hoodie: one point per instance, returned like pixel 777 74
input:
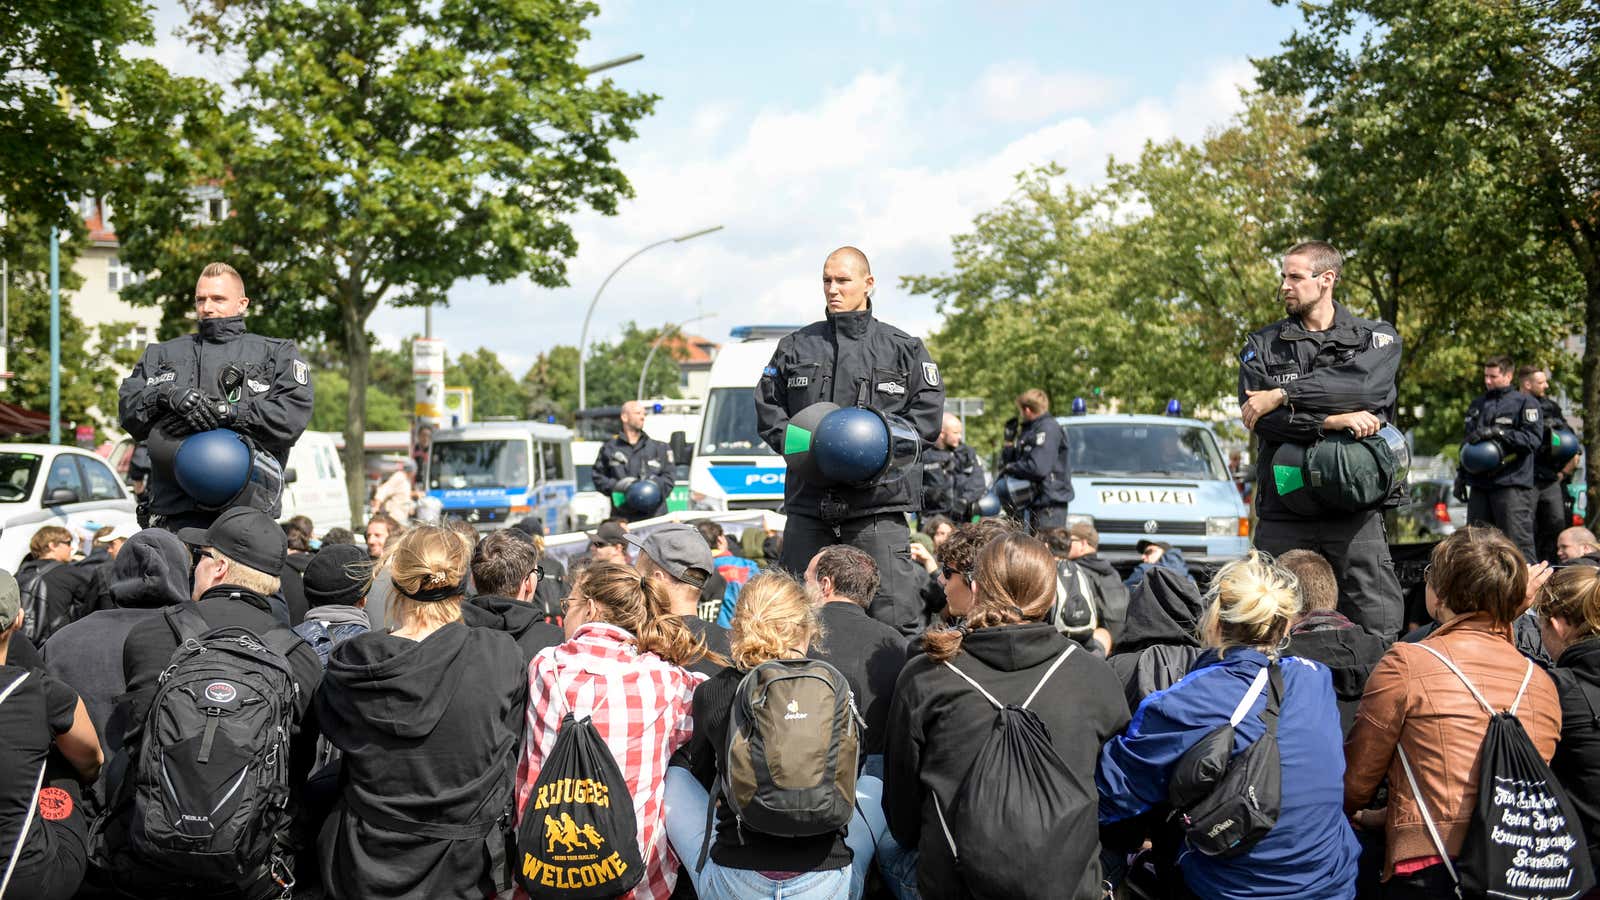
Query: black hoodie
pixel 430 732
pixel 938 723
pixel 1577 760
pixel 525 622
pixel 1160 639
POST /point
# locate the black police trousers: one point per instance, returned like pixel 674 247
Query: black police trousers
pixel 886 539
pixel 1549 519
pixel 1509 509
pixel 1357 548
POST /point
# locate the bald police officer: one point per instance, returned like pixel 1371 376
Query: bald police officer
pixel 851 358
pixel 220 377
pixel 631 456
pixel 952 475
pixel 1319 371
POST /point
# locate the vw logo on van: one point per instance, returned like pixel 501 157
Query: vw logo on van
pixel 1151 527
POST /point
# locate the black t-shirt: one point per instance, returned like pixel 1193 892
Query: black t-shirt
pixel 40 708
pixel 716 638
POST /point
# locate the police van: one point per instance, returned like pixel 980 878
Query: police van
pixel 494 474
pixel 731 467
pixel 1157 478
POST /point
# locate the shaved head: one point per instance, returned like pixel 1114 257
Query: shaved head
pixel 846 280
pixel 951 432
pixel 632 416
pixel 852 257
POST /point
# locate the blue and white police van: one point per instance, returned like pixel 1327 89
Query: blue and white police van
pixel 497 473
pixel 1158 478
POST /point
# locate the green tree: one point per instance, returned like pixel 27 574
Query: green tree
pixel 385 411
pixel 1458 149
pixel 614 367
pixel 495 391
pixel 551 383
pixel 381 151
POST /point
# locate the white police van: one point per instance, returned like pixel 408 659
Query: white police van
pixel 1156 478
pixel 732 468
pixel 492 475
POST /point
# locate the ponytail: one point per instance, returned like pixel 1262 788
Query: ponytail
pixel 1014 582
pixel 636 604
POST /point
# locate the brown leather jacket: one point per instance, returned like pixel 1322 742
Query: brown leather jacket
pixel 1412 699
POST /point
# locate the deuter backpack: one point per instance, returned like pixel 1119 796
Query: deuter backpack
pixel 794 743
pixel 38 623
pixel 1075 614
pixel 1022 825
pixel 579 838
pixel 1226 804
pixel 1524 839
pixel 211 801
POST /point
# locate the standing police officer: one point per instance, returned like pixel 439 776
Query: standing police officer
pixel 1550 515
pixel 1039 455
pixel 1503 496
pixel 628 458
pixel 850 358
pixel 952 476
pixel 1319 371
pixel 219 377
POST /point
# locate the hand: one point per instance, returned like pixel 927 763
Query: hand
pixel 1460 490
pixel 193 409
pixel 1359 423
pixel 622 486
pixel 1010 430
pixel 1369 819
pixel 1538 576
pixel 1258 404
pixel 920 556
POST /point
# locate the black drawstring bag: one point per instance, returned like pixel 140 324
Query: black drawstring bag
pixel 1524 840
pixel 579 839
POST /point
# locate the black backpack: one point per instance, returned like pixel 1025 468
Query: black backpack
pixel 579 838
pixel 211 800
pixel 1021 825
pixel 1226 804
pixel 1076 613
pixel 1524 839
pixel 35 594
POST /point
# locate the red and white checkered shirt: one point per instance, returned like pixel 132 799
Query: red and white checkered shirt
pixel 640 705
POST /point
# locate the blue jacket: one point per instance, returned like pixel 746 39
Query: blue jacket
pixel 1311 852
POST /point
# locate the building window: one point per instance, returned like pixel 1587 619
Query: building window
pixel 137 338
pixel 119 276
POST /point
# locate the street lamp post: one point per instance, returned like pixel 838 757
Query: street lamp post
pixel 665 333
pixel 583 339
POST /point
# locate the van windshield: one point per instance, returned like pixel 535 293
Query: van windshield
pixel 1137 449
pixel 730 424
pixel 476 464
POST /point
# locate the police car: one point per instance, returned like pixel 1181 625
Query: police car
pixel 1157 478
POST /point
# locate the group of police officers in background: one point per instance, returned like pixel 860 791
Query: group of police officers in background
pixel 1319 378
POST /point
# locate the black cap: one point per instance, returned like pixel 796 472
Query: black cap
pixel 609 533
pixel 245 535
pixel 337 574
pixel 1145 544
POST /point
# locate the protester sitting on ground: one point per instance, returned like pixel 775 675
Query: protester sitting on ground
pixel 1476 585
pixel 505 567
pixel 342 536
pixel 1083 548
pixel 775 620
pixel 1323 633
pixel 733 572
pixel 298 536
pixel 609 544
pixel 1577 546
pixel 1160 639
pixel 428 719
pixel 1310 851
pixel 938 527
pixel 675 557
pixel 336 584
pixel 68 588
pixel 381 529
pixel 938 721
pixel 623 666
pixel 151 571
pixel 958 557
pixel 1156 555
pixel 1569 616
pixel 1073 581
pixel 552 587
pixel 241 556
pixel 42 824
pixel 752 546
pixel 841 581
pixel 96 566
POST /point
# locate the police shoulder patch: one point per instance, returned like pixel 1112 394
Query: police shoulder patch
pixel 1381 340
pixel 1531 415
pixel 1248 354
pixel 930 373
pixel 1039 439
pixel 302 372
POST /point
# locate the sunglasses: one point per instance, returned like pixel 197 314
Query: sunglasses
pixel 949 573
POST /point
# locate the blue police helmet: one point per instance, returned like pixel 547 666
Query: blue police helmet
pixel 1482 457
pixel 851 445
pixel 989 505
pixel 1561 445
pixel 642 496
pixel 1015 494
pixel 212 466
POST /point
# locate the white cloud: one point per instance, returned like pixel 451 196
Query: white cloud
pixel 1019 92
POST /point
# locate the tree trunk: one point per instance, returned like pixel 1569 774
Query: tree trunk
pixel 358 356
pixel 1591 391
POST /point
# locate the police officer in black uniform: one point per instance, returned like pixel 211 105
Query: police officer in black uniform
pixel 1503 497
pixel 219 377
pixel 631 456
pixel 952 475
pixel 1318 371
pixel 1550 516
pixel 1039 455
pixel 851 358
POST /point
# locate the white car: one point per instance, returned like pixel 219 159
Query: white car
pixel 45 484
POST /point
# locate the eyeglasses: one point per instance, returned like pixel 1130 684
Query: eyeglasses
pixel 948 573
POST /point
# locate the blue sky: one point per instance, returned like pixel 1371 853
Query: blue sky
pixel 802 126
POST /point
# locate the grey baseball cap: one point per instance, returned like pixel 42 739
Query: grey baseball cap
pixel 679 550
pixel 10 600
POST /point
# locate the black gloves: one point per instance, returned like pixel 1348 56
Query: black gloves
pixel 193 412
pixel 1011 429
pixel 1493 432
pixel 622 485
pixel 1460 490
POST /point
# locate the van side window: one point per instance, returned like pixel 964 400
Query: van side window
pixel 550 455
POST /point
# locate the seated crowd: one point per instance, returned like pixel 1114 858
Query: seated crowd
pixel 360 719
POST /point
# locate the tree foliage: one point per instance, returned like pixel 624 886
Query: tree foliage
pixel 550 385
pixel 380 151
